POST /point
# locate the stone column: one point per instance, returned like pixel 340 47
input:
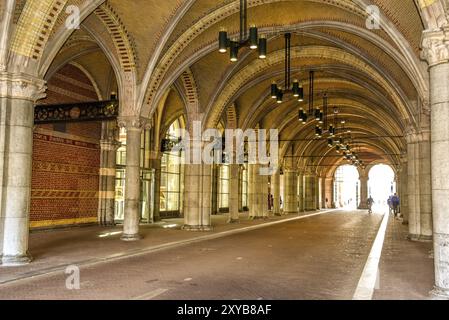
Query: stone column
pixel 413 186
pixel 317 193
pixel 436 51
pixel 156 164
pixel 290 191
pixel 425 186
pixel 323 193
pixel 108 157
pixel 309 192
pixel 252 201
pixel 300 195
pixel 234 192
pixel 258 193
pixel 276 187
pixel 264 195
pixel 403 189
pixel 329 186
pixel 132 178
pixel 18 94
pixel 363 191
pixel 198 197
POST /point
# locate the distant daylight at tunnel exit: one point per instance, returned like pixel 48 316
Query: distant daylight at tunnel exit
pixel 243 151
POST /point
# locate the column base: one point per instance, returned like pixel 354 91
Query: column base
pixel 419 238
pixel 131 237
pixel 231 220
pixel 108 224
pixel 16 261
pixel 278 214
pixel 196 228
pixel 425 238
pixel 439 293
pixel 413 237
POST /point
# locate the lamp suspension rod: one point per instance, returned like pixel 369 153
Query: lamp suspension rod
pixel 325 107
pixel 287 60
pixel 243 20
pixel 311 91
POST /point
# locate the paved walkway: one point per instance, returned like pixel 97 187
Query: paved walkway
pixel 317 257
pixel 56 249
pixel 406 267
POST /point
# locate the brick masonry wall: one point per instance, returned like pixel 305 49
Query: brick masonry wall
pixel 66 159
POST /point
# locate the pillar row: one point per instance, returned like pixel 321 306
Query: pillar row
pixel 329 191
pixel 300 192
pixel 156 162
pixel 403 189
pixel 234 191
pixel 197 197
pixel 436 51
pixel 276 189
pixel 131 220
pixel 364 179
pixel 108 157
pixel 18 94
pixel 290 191
pixel 309 192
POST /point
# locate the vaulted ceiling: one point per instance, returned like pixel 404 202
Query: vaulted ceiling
pixel 374 77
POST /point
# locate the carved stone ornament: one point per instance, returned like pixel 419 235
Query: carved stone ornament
pixel 134 123
pixel 21 86
pixel 435 46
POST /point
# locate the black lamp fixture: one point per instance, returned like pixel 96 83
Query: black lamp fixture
pixel 304 115
pixel 253 41
pixel 290 88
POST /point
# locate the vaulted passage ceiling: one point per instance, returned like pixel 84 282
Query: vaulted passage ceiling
pixel 373 76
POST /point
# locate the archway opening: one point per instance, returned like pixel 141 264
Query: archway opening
pixel 381 185
pixel 346 187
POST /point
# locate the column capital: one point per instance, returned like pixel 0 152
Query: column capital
pixel 411 135
pixel 109 145
pixel 423 135
pixel 435 46
pixel 404 159
pixel 364 177
pixel 21 86
pixel 132 122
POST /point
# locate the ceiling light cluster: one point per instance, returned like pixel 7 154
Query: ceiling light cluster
pixel 294 89
pixel 343 145
pixel 251 40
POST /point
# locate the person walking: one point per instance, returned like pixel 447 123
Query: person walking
pixel 390 204
pixel 395 204
pixel 370 202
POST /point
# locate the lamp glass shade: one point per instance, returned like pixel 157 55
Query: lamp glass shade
pixel 295 89
pixel 222 41
pixel 279 96
pixel 253 37
pixel 274 90
pixel 301 94
pixel 317 114
pixel 234 52
pixel 262 48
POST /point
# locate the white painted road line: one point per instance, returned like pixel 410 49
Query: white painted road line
pixel 368 280
pixel 151 295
